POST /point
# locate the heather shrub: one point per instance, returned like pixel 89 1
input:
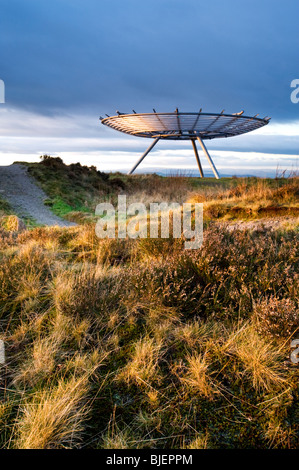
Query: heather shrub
pixel 277 318
pixel 140 343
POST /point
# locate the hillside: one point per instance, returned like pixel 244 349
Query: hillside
pixel 126 343
pixel 75 190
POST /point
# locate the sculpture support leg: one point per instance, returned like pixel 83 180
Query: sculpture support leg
pixel 143 156
pixel 197 158
pixel 208 157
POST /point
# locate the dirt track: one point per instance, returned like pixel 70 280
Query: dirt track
pixel 25 197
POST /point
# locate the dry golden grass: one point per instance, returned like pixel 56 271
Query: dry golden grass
pixel 62 289
pixel 195 333
pixel 200 442
pixel 41 364
pixel 197 376
pixel 53 417
pixel 12 223
pixel 251 200
pixel 117 440
pixel 42 360
pixel 262 361
pixel 182 349
pixel 143 363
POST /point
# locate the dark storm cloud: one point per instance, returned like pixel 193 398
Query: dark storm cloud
pixel 99 56
pixel 65 62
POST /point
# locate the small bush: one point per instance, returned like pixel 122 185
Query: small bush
pixel 277 318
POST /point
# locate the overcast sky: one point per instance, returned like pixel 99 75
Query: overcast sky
pixel 66 62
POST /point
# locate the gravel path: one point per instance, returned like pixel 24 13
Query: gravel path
pixel 25 197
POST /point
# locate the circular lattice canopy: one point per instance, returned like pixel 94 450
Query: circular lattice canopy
pixel 183 126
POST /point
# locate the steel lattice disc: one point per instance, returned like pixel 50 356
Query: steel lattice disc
pixel 183 126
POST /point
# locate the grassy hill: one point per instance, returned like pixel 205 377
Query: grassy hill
pixel 75 190
pixel 141 343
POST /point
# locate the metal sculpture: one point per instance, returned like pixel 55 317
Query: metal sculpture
pixel 184 126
